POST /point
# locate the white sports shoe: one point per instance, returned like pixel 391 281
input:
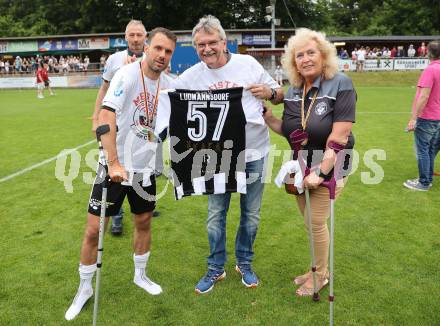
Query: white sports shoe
pixel 40 96
pixel 148 285
pixel 80 299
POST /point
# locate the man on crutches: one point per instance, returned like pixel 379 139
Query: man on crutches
pixel 127 123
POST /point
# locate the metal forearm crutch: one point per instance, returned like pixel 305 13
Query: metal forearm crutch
pixel 297 137
pixel 102 173
pixel 331 186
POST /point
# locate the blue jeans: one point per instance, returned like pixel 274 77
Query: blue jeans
pixel 427 139
pixel 250 204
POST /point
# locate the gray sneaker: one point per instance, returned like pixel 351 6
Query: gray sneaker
pixel 117 223
pixel 416 185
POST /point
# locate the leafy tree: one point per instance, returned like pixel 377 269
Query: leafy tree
pixel 336 17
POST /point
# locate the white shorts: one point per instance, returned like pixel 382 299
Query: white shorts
pixel 40 85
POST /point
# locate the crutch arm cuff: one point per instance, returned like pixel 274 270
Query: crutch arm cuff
pixel 335 146
pixel 101 130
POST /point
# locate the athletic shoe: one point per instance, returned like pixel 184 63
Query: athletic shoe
pixel 416 185
pixel 416 181
pixel 40 96
pixel 52 94
pixel 117 223
pixel 78 303
pixel 248 276
pixel 148 285
pixel 207 282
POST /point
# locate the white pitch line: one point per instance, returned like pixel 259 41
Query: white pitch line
pixel 29 168
pixel 386 112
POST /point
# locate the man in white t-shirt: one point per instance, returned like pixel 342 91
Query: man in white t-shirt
pixel 279 75
pixel 86 63
pixel 411 51
pixel 220 69
pixel 361 59
pixel 135 35
pixel 129 105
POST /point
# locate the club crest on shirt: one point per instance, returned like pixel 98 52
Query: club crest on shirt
pixel 321 108
pixel 140 126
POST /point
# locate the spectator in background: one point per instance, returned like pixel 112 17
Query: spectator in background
pixel 386 53
pixel 400 52
pixel 354 58
pixel 425 120
pixel 393 52
pixel 7 67
pixel 102 62
pixel 344 54
pixel 43 79
pixel 2 67
pixel 360 59
pixel 411 51
pixel 33 64
pixel 50 64
pixel 422 51
pixel 86 63
pixel 65 66
pixel 17 64
pixel 279 76
pixel 25 65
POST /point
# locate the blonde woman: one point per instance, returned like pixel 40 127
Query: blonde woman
pixel 320 101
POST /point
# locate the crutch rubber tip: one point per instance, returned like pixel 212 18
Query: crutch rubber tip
pixel 313 269
pixel 316 297
pixel 331 298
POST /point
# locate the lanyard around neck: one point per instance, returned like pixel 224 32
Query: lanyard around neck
pixel 306 118
pixel 147 96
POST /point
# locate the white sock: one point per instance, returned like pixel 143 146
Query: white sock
pixel 140 278
pixel 85 290
pixel 86 273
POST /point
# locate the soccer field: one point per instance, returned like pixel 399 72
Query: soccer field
pixel 386 248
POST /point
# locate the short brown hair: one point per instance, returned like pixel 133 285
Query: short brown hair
pixel 434 50
pixel 164 31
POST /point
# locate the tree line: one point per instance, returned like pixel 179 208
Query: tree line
pixel 336 17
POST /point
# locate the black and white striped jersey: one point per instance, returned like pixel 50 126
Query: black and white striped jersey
pixel 207 140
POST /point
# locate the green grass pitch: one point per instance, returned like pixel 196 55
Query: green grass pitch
pixel 387 237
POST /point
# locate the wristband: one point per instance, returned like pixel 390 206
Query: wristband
pixel 273 95
pixel 320 174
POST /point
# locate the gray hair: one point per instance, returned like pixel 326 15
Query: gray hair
pixel 434 50
pixel 135 22
pixel 209 24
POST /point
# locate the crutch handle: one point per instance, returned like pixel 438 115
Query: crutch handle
pixel 297 137
pixel 331 186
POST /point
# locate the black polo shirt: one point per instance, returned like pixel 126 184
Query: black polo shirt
pixel 335 102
